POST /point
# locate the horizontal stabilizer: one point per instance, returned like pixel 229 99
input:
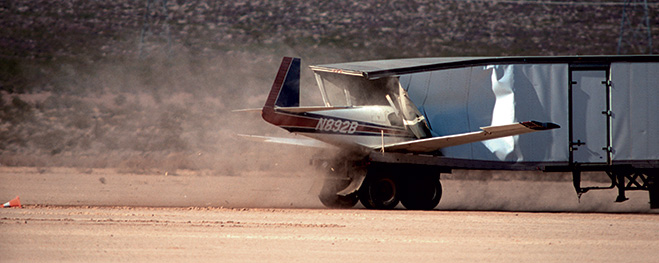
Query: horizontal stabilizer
pixel 288 141
pixel 310 108
pixel 256 110
pixel 492 132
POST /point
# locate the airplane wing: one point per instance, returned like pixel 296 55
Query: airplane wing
pixel 289 141
pixel 487 133
pixel 256 110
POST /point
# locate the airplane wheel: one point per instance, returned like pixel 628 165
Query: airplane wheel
pixel 379 193
pixel 339 201
pixel 330 199
pixel 422 193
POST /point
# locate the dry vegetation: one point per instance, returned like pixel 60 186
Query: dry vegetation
pixel 87 84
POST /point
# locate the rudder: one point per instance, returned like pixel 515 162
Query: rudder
pixel 285 91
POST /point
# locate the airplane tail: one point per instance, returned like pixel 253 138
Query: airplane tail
pixel 285 91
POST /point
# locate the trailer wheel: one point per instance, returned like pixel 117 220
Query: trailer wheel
pixel 379 193
pixel 330 199
pixel 422 193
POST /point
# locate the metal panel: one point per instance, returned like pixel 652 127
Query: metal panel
pixel 635 107
pixel 492 102
pixel 541 94
pixel 589 127
pixel 416 86
pixel 465 99
pixel 445 104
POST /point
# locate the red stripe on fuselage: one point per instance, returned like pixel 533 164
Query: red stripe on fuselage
pixel 299 121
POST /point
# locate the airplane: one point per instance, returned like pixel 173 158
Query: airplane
pixel 377 116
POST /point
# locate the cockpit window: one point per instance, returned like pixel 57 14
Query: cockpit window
pixel 345 90
pixel 395 120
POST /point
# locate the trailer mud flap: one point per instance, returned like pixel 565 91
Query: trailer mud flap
pixel 653 188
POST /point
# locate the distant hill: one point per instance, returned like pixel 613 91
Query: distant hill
pixel 43 29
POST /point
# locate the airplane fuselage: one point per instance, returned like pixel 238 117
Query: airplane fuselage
pixel 366 126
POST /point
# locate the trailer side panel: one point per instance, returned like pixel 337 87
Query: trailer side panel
pixel 635 109
pixel 460 100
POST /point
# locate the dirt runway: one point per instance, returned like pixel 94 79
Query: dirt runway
pixel 107 187
pixel 135 234
pixel 103 216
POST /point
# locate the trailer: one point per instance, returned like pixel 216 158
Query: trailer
pixel 607 108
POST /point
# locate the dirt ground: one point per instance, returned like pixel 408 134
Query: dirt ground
pixel 101 216
pixel 107 187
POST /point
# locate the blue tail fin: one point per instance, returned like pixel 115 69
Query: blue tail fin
pixel 285 91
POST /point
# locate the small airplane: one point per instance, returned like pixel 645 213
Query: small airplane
pixel 377 116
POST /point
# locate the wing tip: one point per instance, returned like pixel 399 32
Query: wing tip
pixel 536 125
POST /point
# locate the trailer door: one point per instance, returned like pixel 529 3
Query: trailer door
pixel 589 124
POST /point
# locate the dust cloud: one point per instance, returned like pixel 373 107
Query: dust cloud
pixel 534 191
pixel 157 114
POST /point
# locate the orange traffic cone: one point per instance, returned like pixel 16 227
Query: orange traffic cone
pixel 13 203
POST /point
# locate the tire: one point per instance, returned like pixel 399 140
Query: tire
pixel 330 199
pixel 422 193
pixel 379 193
pixel 339 201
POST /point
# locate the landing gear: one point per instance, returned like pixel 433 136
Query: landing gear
pixel 342 178
pixel 379 186
pixel 379 193
pixel 421 193
pixel 329 197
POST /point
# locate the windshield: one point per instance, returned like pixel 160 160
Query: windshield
pixel 344 90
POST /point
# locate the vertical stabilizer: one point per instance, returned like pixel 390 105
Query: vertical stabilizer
pixel 285 91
